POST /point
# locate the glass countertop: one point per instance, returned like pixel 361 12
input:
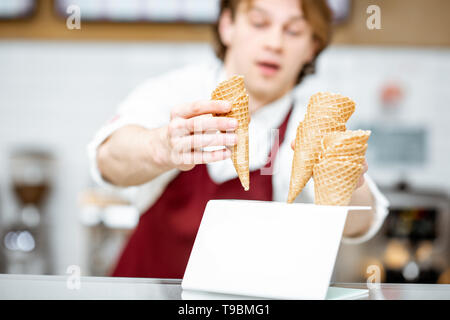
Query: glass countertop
pixel 13 286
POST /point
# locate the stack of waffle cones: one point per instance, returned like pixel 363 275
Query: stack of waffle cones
pixel 326 113
pixel 233 90
pixel 339 167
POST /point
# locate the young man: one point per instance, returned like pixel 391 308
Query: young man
pixel 157 137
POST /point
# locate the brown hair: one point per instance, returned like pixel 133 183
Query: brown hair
pixel 316 12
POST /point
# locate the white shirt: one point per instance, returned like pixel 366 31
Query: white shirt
pixel 149 106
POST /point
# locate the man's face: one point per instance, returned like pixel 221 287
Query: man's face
pixel 268 42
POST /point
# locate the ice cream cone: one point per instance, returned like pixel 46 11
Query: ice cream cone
pixel 326 113
pixel 346 139
pixel 332 105
pixel 302 164
pixel 339 167
pixel 337 157
pixel 230 89
pixel 335 181
pixel 348 145
pixel 233 90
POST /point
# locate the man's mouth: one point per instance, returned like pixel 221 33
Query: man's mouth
pixel 268 68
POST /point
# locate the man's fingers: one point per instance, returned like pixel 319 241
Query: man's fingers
pixel 361 179
pixel 212 124
pixel 197 108
pixel 188 143
pixel 207 132
pixel 198 157
pixel 365 166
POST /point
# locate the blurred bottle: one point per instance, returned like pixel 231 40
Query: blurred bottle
pixel 25 239
pixel 2 253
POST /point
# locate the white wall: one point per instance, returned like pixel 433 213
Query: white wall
pixel 57 94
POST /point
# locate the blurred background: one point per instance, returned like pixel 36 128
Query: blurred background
pixel 59 84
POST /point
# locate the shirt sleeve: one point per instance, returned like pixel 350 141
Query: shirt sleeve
pixel 144 107
pixel 381 211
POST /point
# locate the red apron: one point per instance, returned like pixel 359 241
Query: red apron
pixel 161 244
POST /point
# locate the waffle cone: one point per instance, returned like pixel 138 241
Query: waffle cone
pixel 230 89
pixel 348 145
pixel 339 167
pixel 347 139
pixel 233 90
pixel 315 128
pixel 332 105
pixel 307 149
pixel 337 157
pixel 335 181
pixel 302 164
pixel 345 150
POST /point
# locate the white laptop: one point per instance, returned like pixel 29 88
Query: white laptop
pixel 260 249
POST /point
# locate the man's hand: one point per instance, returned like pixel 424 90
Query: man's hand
pixel 192 127
pixel 134 155
pixel 361 178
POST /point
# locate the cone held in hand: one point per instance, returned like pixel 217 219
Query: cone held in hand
pixel 233 90
pixel 326 113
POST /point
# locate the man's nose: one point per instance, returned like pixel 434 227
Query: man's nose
pixel 274 39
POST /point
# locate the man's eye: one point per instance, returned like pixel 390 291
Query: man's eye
pixel 257 20
pixel 259 24
pixel 295 29
pixel 293 32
